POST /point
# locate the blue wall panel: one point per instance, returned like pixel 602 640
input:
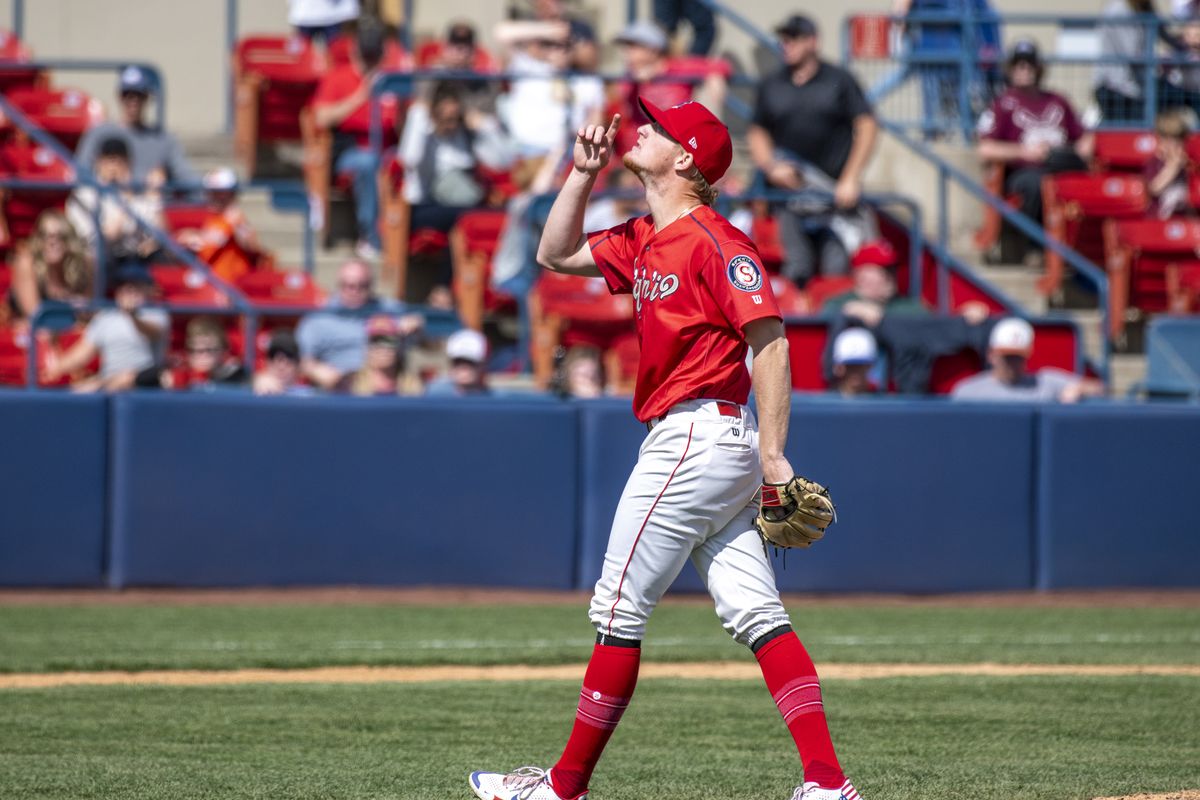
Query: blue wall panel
pixel 1118 496
pixel 53 463
pixel 243 490
pixel 931 497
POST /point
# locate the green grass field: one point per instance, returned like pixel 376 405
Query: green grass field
pixel 901 738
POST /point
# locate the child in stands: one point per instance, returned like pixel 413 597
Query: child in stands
pixel 1166 173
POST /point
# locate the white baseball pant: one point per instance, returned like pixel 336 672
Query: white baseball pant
pixel 692 494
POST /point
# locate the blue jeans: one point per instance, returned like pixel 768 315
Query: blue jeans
pixel 364 164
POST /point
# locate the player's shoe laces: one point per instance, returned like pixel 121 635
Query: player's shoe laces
pixel 523 783
pixel 811 791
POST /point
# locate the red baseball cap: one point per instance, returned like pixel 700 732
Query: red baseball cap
pixel 878 253
pixel 699 132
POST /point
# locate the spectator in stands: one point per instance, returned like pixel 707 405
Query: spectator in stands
pixel 226 241
pixel 340 105
pixel 124 238
pixel 333 342
pixel 940 83
pixel 322 19
pixel 874 294
pixel 854 356
pixel 1181 83
pixel 813 128
pixel 460 52
pixel 1120 81
pixel 584 49
pixel 1032 132
pixel 1166 174
pixel 669 13
pixel 209 364
pixel 382 373
pixel 281 374
pixel 156 156
pixel 580 374
pixel 467 352
pixel 1009 346
pixel 130 340
pixel 443 145
pixel 52 266
pixel 544 106
pixel 650 74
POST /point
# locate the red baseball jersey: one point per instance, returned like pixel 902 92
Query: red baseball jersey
pixel 695 285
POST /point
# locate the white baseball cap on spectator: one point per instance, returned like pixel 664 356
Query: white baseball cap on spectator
pixel 644 33
pixel 467 345
pixel 221 179
pixel 1012 336
pixel 855 346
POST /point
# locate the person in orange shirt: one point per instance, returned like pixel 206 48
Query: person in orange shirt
pixel 225 241
pixel 341 105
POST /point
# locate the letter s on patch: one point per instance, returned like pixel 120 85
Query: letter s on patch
pixel 744 273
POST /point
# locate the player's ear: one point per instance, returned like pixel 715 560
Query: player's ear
pixel 684 161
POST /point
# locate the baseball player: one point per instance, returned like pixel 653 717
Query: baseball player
pixel 701 299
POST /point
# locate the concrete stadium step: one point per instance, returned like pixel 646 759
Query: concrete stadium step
pixel 1017 281
pixel 1125 371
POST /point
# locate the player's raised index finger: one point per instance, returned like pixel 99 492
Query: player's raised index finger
pixel 612 128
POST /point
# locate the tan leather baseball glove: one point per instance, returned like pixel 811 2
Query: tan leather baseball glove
pixel 794 514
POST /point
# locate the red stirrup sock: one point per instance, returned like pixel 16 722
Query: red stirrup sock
pixel 607 686
pixel 792 680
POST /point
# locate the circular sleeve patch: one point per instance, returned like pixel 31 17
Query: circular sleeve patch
pixel 745 274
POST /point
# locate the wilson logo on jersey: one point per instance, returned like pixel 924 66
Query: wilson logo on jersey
pixel 744 274
pixel 652 287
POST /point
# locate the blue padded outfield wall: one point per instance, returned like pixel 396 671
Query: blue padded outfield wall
pixel 53 467
pixel 231 490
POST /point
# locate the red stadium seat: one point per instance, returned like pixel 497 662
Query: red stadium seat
pixel 820 289
pixel 1123 151
pixel 183 286
pixel 473 243
pixel 22 207
pixel 1076 205
pixel 948 370
pixel 765 233
pixel 806 348
pixel 183 217
pixel 1147 267
pixel 63 113
pixel 14 70
pixel 567 310
pixel 274 78
pixel 281 288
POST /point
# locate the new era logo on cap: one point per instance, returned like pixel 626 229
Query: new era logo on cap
pixel 699 132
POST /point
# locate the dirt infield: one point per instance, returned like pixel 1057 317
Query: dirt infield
pixel 701 671
pixel 1122 598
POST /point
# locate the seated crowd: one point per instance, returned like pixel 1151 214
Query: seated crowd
pixel 460 144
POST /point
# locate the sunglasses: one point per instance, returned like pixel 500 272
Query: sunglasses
pixel 58 235
pixel 209 350
pixel 355 284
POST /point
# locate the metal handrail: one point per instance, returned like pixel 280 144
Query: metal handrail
pixel 946 172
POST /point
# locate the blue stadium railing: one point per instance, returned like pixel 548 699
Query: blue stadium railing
pixel 963 68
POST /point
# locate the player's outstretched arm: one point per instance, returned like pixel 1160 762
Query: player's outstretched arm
pixel 772 377
pixel 563 247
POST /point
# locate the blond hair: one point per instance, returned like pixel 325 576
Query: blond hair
pixel 1172 124
pixel 76 268
pixel 705 192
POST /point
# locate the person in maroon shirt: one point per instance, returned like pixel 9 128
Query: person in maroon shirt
pixel 1032 132
pixel 341 105
pixel 702 303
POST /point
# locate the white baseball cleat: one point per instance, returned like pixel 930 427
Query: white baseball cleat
pixel 523 783
pixel 811 791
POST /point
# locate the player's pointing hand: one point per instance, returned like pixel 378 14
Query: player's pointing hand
pixel 594 146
